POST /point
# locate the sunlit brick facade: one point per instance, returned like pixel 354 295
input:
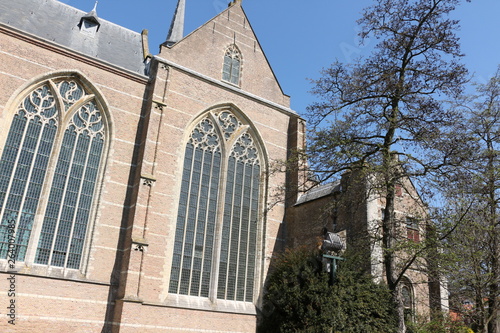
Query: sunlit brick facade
pixel 137 187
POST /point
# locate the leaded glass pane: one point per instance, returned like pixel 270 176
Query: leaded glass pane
pixel 406 295
pixel 231 67
pixel 252 232
pixel 23 166
pixel 235 71
pixel 197 213
pixel 239 229
pixel 226 70
pixel 196 218
pixel 70 199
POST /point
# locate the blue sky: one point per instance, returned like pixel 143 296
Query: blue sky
pixel 301 37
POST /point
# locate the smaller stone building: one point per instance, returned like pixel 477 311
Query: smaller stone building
pixel 355 206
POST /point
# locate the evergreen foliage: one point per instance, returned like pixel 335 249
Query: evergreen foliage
pixel 440 325
pixel 300 298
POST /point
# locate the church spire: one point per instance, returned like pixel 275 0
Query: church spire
pixel 176 32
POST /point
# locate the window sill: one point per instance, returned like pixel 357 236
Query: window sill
pixel 43 271
pixel 205 304
pixel 233 84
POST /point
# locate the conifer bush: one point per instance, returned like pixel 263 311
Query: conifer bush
pixel 301 298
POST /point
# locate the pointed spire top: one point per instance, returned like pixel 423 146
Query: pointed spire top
pixel 93 12
pixel 235 2
pixel 176 32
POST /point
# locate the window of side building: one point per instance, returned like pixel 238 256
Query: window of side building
pixel 412 229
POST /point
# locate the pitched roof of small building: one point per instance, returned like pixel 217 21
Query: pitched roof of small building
pixel 318 192
pixel 62 24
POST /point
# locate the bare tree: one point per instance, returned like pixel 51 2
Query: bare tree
pixel 386 113
pixel 475 247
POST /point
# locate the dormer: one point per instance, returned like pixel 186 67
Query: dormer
pixel 89 24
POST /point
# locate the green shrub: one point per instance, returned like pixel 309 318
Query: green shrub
pixel 443 325
pixel 300 298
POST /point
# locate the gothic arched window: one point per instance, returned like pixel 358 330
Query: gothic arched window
pixel 407 299
pixel 232 65
pixel 49 169
pixel 220 200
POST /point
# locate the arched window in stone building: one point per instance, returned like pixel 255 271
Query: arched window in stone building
pixel 215 250
pixel 408 299
pixel 49 171
pixel 232 65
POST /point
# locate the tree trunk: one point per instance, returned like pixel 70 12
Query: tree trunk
pixel 398 299
pixel 493 301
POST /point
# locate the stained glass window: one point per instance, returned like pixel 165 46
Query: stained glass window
pixel 209 202
pixel 407 298
pixel 30 146
pixel 232 65
pixel 197 215
pixel 23 166
pixel 239 226
pixel 412 229
pixel 68 209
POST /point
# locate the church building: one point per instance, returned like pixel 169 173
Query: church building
pixel 135 189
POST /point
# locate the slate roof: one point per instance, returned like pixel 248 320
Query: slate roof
pixel 59 23
pixel 318 192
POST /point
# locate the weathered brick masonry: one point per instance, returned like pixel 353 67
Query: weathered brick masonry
pixel 150 106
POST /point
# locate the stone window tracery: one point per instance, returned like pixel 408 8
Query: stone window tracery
pixel 407 299
pixel 232 65
pixel 219 200
pixel 57 121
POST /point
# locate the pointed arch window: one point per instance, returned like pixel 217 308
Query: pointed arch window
pixel 57 123
pixel 232 65
pixel 220 200
pixel 407 299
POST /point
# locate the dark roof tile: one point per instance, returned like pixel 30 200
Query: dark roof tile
pixel 60 23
